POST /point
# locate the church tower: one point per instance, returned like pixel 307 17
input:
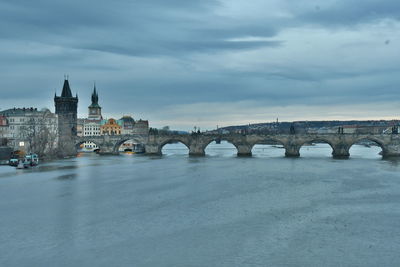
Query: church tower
pixel 94 108
pixel 67 111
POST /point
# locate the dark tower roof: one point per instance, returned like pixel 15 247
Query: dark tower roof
pixel 66 92
pixel 95 98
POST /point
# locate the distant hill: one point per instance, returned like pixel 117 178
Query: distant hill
pixel 303 126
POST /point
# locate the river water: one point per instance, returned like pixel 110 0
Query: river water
pixel 218 210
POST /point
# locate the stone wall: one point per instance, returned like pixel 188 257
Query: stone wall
pixel 5 154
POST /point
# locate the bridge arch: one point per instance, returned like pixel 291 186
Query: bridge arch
pixel 172 141
pixel 373 139
pixel 317 140
pixel 209 142
pixel 79 142
pixel 258 148
pixel 123 139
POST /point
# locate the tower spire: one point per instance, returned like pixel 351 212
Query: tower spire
pixel 66 91
pixel 94 108
pixel 95 91
pixel 95 97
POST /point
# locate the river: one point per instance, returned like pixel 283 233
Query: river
pixel 218 210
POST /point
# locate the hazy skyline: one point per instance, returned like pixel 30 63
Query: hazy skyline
pixel 207 62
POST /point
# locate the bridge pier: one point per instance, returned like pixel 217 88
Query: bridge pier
pixel 152 149
pixel 392 149
pixel 292 150
pixel 197 150
pixel 243 150
pixel 341 151
pixel 107 149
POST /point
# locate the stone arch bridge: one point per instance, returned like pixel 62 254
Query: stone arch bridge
pixel 197 143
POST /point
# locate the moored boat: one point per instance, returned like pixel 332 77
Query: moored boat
pixel 13 162
pixel 32 159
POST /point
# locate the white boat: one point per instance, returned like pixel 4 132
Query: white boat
pixel 13 162
pixel 32 159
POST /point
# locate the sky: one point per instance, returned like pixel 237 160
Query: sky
pixel 186 63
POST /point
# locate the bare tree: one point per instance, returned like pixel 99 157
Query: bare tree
pixel 40 133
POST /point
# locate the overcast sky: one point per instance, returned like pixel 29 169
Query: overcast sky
pixel 186 63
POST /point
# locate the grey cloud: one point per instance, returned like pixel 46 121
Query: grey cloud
pixel 169 48
pixel 350 12
pixel 126 27
pixel 156 27
pixel 141 54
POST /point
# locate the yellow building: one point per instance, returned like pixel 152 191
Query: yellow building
pixel 111 127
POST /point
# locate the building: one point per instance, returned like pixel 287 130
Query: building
pixel 91 125
pixel 3 127
pixel 94 108
pixel 67 110
pixel 29 130
pixel 95 125
pixel 79 127
pixel 141 127
pixel 132 127
pixel 128 124
pixel 111 127
pixel 3 121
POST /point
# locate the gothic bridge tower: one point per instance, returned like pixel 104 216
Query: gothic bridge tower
pixel 67 111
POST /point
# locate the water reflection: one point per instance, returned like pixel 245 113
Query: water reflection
pixel 175 210
pixel 224 149
pixel 67 176
pixel 260 150
pixel 175 149
pixel 316 150
pixel 365 151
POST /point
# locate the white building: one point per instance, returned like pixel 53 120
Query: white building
pixel 29 129
pixel 91 125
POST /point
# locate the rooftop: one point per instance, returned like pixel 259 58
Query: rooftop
pixel 23 111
